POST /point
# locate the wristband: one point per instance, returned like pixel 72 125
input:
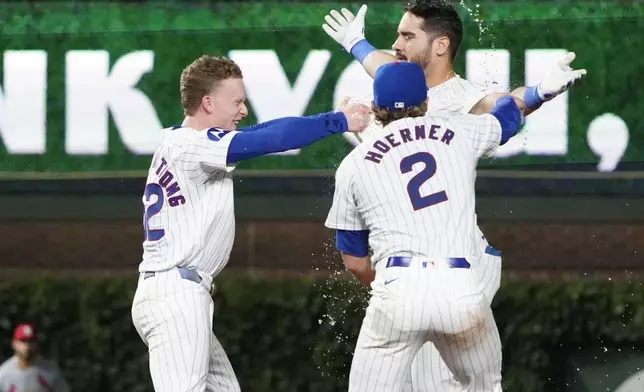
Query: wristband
pixel 361 50
pixel 531 98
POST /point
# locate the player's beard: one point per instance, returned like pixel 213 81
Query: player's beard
pixel 424 59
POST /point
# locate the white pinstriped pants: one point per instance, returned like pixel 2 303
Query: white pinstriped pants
pixel 174 318
pixel 445 306
pixel 429 372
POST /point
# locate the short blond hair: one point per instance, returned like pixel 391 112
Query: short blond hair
pixel 385 116
pixel 202 76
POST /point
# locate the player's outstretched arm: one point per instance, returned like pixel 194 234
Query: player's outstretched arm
pixel 217 149
pixel 508 111
pixel 295 132
pixel 496 128
pixel 560 77
pixel 348 31
pixel 489 101
pixel 281 120
pixel 373 59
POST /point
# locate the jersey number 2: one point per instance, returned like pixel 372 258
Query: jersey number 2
pixel 152 210
pixel 413 187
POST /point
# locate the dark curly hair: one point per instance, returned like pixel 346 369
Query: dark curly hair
pixel 440 18
pixel 385 116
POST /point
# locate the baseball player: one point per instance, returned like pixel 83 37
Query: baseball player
pixel 429 34
pixel 189 223
pixel 408 193
pixel 27 371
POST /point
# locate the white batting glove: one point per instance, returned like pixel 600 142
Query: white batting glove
pixel 345 28
pixel 559 78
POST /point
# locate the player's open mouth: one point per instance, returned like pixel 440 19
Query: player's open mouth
pixel 401 57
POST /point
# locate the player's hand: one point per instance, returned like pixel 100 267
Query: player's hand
pixel 343 104
pixel 358 116
pixel 347 100
pixel 559 78
pixel 345 28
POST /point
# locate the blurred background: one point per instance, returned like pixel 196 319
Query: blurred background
pixel 86 86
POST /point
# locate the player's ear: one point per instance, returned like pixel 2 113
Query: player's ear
pixel 440 45
pixel 207 104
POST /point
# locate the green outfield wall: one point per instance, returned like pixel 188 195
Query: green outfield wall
pixel 87 87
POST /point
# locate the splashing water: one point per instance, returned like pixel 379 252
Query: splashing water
pixel 475 14
pixel 341 294
pixel 484 33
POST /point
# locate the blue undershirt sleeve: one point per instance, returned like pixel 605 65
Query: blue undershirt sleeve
pixel 352 242
pixel 509 116
pixel 284 134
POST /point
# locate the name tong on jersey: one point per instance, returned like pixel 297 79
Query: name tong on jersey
pixel 406 135
pixel 171 188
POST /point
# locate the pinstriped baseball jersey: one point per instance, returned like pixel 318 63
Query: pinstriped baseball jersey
pixel 412 186
pixel 455 95
pixel 188 204
pixel 458 95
